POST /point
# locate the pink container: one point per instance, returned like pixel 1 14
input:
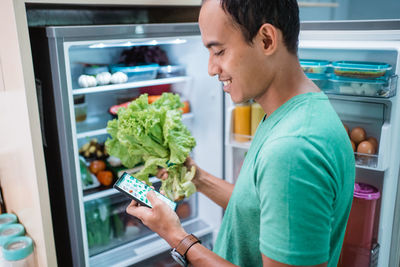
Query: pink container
pixel 359 232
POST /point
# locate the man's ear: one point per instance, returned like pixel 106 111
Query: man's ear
pixel 269 36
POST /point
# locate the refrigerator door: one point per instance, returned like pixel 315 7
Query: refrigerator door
pixel 100 233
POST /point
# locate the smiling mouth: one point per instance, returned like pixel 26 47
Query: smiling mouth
pixel 227 82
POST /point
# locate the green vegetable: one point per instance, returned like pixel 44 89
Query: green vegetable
pixel 85 174
pixel 98 224
pixel 154 134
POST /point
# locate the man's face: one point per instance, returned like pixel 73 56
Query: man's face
pixel 239 65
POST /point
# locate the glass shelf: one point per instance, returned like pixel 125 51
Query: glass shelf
pixel 123 86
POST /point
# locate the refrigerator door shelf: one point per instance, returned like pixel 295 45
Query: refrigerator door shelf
pixel 379 160
pixel 236 140
pixel 144 248
pixel 129 85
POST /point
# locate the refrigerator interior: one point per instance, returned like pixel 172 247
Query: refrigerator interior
pixel 100 232
pixel 377 114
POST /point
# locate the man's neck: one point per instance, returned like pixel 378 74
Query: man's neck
pixel 289 80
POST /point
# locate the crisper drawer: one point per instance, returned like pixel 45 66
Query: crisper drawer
pixel 109 226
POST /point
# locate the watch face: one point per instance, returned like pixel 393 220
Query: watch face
pixel 178 257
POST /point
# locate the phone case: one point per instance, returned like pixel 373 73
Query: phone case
pixel 137 190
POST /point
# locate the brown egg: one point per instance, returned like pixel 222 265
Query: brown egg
pixel 366 147
pixel 353 145
pixel 358 135
pixel 374 142
pixel 347 129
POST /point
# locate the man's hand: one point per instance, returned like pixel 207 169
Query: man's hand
pixel 160 219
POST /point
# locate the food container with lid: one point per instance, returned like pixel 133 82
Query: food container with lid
pixel 361 70
pixel 7 218
pixel 170 71
pixel 8 231
pixel 137 73
pixel 18 252
pixel 314 68
pixel 363 87
pixel 358 239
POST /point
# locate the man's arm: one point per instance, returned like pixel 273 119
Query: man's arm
pixel 216 189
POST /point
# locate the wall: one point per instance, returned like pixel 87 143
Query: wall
pixel 22 172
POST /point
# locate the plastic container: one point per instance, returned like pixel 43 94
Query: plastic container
pixel 18 252
pixel 7 218
pixel 80 112
pixel 242 122
pixel 315 68
pixel 362 70
pixel 257 114
pixel 137 73
pixel 94 70
pixel 170 71
pixel 361 87
pixel 357 243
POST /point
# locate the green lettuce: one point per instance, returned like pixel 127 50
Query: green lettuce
pixel 154 134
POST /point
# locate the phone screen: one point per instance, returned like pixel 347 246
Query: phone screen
pixel 137 190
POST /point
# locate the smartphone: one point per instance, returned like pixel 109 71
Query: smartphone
pixel 137 190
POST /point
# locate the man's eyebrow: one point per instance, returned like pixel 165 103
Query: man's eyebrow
pixel 211 44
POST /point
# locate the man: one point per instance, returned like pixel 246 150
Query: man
pixel 292 199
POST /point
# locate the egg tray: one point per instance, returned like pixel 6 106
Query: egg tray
pixel 367 160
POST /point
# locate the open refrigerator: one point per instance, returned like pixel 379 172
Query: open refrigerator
pixel 90 223
pixel 369 103
pixel 210 120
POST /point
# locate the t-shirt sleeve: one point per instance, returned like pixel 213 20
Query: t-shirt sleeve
pixel 296 200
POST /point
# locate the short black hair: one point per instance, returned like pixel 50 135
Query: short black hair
pixel 249 15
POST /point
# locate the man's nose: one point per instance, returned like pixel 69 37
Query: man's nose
pixel 213 68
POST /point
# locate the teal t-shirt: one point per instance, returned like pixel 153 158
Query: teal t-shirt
pixel 293 196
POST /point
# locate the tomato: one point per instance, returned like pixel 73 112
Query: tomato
pixel 105 177
pixel 186 107
pixel 96 166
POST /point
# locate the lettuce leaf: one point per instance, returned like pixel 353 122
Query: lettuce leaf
pixel 154 134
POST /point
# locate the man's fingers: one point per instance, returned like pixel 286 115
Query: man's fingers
pixel 136 210
pixel 162 174
pixel 152 197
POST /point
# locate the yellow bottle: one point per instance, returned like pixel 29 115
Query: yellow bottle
pixel 241 123
pixel 257 114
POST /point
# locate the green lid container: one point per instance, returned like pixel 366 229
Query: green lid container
pixel 17 248
pixel 7 218
pixel 10 230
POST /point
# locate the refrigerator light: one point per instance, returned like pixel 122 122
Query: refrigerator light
pixel 145 43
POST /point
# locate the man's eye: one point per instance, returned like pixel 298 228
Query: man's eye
pixel 219 53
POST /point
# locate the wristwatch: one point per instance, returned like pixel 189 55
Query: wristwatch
pixel 179 253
